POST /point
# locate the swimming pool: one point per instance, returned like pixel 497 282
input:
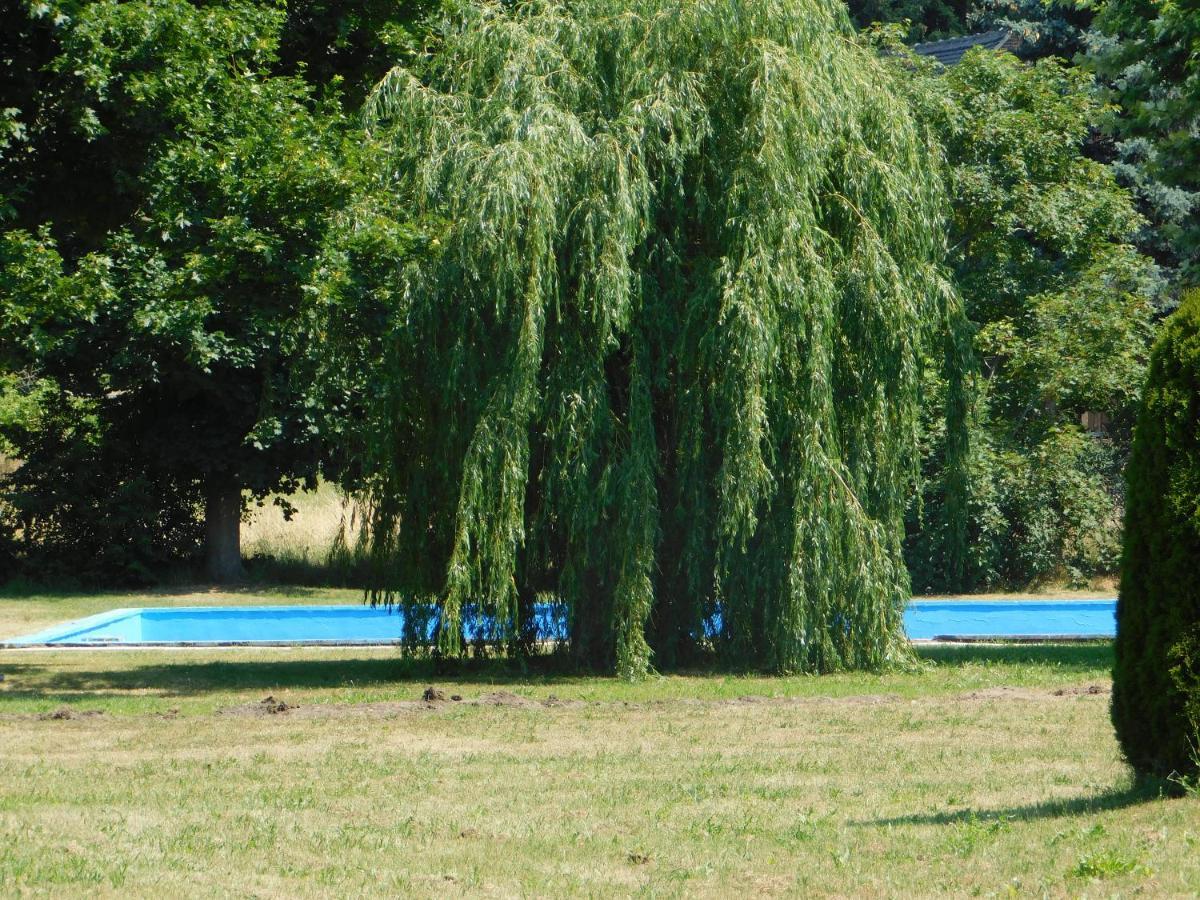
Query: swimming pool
pixel 951 618
pixel 959 618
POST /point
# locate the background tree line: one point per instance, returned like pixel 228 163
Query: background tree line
pixel 198 256
pixel 168 177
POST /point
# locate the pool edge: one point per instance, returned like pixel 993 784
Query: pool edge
pixel 46 636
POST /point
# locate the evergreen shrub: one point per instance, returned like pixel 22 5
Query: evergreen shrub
pixel 1159 609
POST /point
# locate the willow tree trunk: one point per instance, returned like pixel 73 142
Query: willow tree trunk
pixel 223 529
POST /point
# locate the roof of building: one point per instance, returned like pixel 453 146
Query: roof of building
pixel 950 51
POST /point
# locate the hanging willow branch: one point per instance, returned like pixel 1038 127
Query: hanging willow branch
pixel 666 368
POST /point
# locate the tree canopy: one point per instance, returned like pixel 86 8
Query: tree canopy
pixel 1146 53
pixel 1041 252
pixel 664 368
pixel 170 194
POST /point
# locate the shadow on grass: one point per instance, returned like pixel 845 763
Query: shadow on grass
pixel 184 677
pixel 187 679
pixel 1083 656
pixel 1140 791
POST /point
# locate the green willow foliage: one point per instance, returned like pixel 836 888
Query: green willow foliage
pixel 665 367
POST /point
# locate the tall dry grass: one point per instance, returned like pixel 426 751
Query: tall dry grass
pixel 316 545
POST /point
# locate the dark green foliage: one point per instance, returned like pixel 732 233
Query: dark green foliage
pixel 1145 54
pixel 1032 514
pixel 1156 691
pixel 665 360
pixel 348 46
pixel 87 507
pixel 57 163
pixel 928 20
pixel 175 325
pixel 1062 306
pixel 1046 27
pixel 355 291
pixel 168 172
pixel 72 158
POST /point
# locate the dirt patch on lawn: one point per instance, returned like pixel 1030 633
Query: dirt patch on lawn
pixel 1003 692
pixel 431 699
pixel 65 713
pixel 866 699
pixel 509 700
pixel 752 700
pixel 553 701
pixel 1087 690
pixel 434 700
pixel 267 706
pixel 1018 693
pixel 506 698
pixel 383 710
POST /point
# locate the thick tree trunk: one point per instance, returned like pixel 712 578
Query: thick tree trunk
pixel 223 530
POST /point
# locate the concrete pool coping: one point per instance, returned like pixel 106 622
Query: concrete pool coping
pixel 53 638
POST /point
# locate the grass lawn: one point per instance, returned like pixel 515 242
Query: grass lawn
pixel 988 770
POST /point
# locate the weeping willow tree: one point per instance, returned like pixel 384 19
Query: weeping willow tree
pixel 664 368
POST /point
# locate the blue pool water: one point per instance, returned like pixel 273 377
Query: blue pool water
pixel 931 619
pixel 214 625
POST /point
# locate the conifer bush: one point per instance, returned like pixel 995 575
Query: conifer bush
pixel 1155 691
